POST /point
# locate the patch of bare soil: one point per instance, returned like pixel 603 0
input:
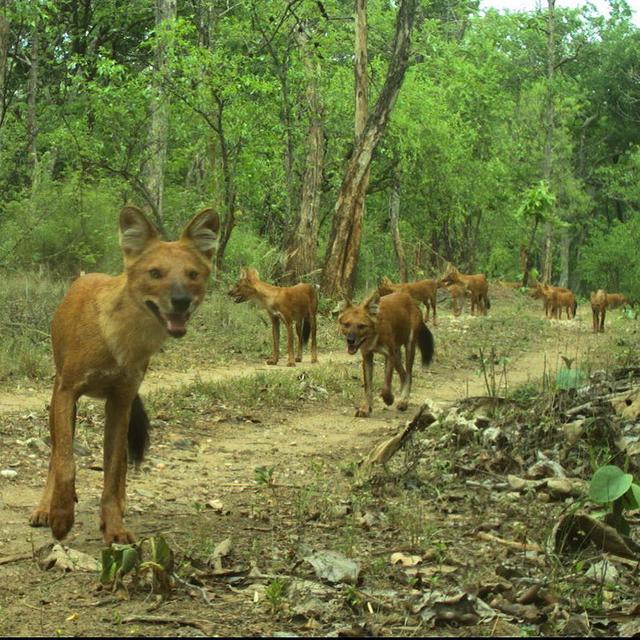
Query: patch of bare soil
pixel 283 484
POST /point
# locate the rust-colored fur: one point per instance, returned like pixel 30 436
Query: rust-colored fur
pixel 476 284
pixel 555 299
pixel 421 290
pixel 615 300
pixel 293 305
pixel 384 325
pixel 599 301
pixel 104 333
pixel 457 292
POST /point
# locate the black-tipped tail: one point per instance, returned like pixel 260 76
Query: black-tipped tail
pixel 138 437
pixel 487 302
pixel 574 309
pixel 426 344
pixel 306 330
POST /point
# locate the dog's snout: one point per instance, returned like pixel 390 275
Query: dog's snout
pixel 180 300
pixel 351 338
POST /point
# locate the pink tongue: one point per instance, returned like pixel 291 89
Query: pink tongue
pixel 176 323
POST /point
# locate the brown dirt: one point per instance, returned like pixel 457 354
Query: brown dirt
pixel 214 456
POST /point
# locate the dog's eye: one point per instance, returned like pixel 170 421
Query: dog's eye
pixel 362 326
pixel 156 274
pixel 193 275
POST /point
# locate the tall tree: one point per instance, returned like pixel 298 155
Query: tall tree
pixel 165 15
pixel 344 240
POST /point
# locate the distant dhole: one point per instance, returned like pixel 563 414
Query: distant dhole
pixel 476 285
pixel 599 301
pixel 297 305
pixel 384 325
pixel 104 332
pixel 421 291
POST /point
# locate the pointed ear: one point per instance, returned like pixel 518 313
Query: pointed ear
pixel 243 273
pixel 345 304
pixel 252 274
pixel 202 232
pixel 136 232
pixel 372 304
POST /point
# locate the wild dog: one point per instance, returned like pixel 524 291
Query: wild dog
pixel 555 299
pixel 476 284
pixel 457 292
pixel 104 332
pixel 384 325
pixel 421 290
pixel 297 305
pixel 615 300
pixel 599 301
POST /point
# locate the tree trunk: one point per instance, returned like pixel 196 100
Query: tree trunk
pixel 394 219
pixel 159 110
pixel 565 245
pixel 301 251
pixel 5 34
pixel 344 240
pixel 549 117
pixel 32 99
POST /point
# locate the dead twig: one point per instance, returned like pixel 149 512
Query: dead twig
pixel 16 558
pixel 203 625
pixel 512 544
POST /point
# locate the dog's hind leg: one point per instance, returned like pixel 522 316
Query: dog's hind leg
pixel 117 410
pixel 313 328
pixel 405 376
pixel 300 339
pixel 291 361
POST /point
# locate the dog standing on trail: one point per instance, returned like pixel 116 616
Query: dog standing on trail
pixel 104 332
pixel 297 305
pixel 599 301
pixel 384 325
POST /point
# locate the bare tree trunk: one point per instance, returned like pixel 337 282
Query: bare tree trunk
pixel 159 108
pixel 32 98
pixel 565 244
pixel 301 251
pixel 344 240
pixel 394 219
pixel 549 135
pixel 5 34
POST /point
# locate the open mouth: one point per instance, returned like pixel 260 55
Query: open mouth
pixel 175 323
pixel 237 297
pixel 352 347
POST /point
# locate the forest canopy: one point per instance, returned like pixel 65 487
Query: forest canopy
pixel 511 134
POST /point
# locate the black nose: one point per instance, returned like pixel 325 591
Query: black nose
pixel 180 301
pixel 351 339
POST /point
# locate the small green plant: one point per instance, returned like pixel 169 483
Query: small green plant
pixel 264 476
pixel 612 487
pixel 122 559
pixel 275 593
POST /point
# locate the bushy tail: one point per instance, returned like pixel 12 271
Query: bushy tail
pixel 306 330
pixel 487 302
pixel 426 344
pixel 138 436
pixel 574 308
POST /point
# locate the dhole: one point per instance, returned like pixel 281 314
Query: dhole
pixel 293 305
pixel 422 291
pixel 476 285
pixel 555 299
pixel 104 333
pixel 457 293
pixel 384 325
pixel 616 300
pixel 599 309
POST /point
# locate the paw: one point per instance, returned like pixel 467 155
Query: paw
pixel 39 518
pixel 363 412
pixel 402 405
pixel 61 520
pixel 117 535
pixel 387 396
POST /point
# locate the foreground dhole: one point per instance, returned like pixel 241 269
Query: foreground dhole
pixel 297 305
pixel 104 333
pixel 384 325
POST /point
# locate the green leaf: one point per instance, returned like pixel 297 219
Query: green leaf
pixel 569 379
pixel 609 483
pixel 631 499
pixel 109 567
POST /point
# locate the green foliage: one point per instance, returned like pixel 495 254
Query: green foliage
pixel 612 487
pixel 567 379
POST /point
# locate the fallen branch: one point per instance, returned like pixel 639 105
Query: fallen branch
pixel 204 626
pixel 383 451
pixel 512 544
pixel 18 558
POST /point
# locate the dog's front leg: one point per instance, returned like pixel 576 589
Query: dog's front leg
pixel 367 374
pixel 117 410
pixel 60 490
pixel 275 335
pixel 405 375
